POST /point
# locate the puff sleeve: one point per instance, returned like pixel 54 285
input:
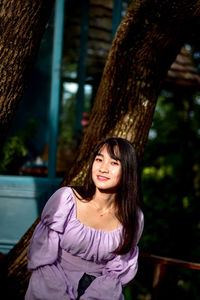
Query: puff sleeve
pixel 48 279
pixel 116 274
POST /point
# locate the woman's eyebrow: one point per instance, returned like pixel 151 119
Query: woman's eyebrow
pixel 99 154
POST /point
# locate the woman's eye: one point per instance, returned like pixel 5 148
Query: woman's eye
pixel 114 163
pixel 98 159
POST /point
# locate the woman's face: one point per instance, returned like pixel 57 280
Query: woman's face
pixel 106 171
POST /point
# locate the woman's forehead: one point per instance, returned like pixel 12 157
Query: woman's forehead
pixel 110 150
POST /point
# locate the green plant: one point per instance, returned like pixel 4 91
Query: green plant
pixel 15 148
pixel 13 152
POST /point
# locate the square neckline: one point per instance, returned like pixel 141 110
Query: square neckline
pixel 86 226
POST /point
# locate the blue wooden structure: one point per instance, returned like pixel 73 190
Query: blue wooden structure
pixel 23 197
pixel 55 86
pixel 21 202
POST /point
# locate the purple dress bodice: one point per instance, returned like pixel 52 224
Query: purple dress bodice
pixel 62 249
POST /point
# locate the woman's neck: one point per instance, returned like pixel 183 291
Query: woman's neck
pixel 104 199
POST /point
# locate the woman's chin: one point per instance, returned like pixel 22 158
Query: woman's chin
pixel 108 190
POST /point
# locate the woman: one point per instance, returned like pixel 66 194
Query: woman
pixel 85 246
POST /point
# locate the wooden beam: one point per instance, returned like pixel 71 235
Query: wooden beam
pixel 150 258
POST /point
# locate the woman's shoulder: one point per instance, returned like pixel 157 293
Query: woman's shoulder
pixel 62 195
pixel 60 202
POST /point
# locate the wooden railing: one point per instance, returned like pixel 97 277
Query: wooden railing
pixel 160 266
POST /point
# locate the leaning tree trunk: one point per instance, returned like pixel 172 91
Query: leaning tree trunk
pixel 22 26
pixel 146 43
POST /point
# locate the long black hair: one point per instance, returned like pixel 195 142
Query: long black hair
pixel 129 193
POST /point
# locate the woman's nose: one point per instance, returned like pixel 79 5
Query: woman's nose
pixel 104 168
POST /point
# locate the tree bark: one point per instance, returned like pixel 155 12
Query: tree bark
pixel 22 26
pixel 145 45
pixel 13 266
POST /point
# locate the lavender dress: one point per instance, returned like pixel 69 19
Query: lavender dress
pixel 62 249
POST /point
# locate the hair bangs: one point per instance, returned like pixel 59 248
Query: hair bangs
pixel 112 148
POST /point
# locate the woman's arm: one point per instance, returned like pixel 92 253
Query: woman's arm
pixel 48 280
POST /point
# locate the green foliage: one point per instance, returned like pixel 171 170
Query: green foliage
pixel 15 149
pixel 171 189
pixel 127 293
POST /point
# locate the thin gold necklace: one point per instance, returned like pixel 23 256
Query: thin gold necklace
pixel 102 213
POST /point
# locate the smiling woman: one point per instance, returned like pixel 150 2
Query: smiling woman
pixel 85 246
pixel 106 170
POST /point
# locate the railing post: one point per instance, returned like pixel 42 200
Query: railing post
pixel 55 86
pixel 159 272
pixel 116 16
pixel 81 74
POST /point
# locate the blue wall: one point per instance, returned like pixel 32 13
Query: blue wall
pixel 21 201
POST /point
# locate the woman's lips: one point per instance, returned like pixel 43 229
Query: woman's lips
pixel 102 178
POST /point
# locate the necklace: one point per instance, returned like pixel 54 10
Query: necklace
pixel 101 214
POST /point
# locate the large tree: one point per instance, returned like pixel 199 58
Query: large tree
pixel 145 45
pixel 22 26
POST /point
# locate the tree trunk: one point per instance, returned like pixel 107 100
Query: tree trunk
pixel 145 45
pixel 22 26
pixel 13 266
